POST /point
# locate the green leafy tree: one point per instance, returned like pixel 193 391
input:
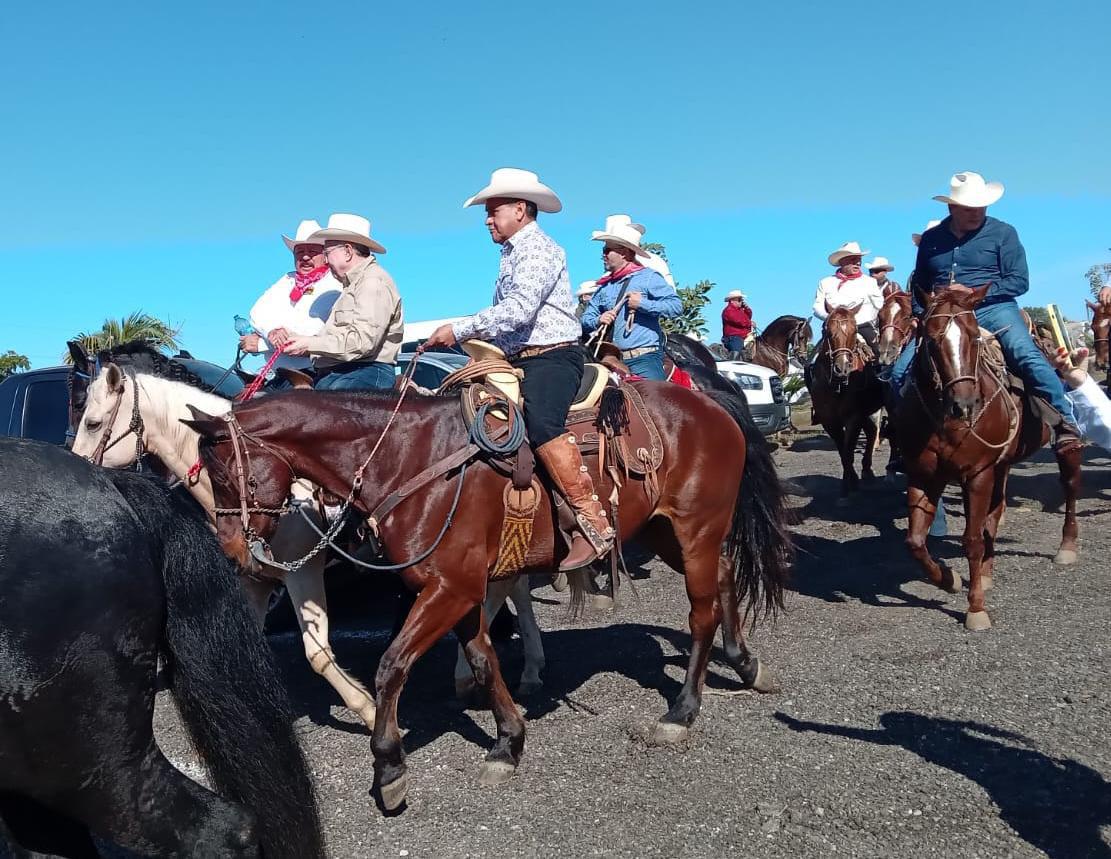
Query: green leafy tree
pixel 12 362
pixel 137 326
pixel 656 248
pixel 1039 315
pixel 1098 275
pixel 691 320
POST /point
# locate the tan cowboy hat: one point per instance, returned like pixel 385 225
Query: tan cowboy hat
pixel 620 230
pixel 347 228
pixel 879 264
pixel 969 189
pixel 304 230
pixel 516 184
pixel 587 287
pixel 917 237
pixel 849 249
pixel 736 293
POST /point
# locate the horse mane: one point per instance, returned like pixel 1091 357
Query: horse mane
pixel 142 357
pixel 782 324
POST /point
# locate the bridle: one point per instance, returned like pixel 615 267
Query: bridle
pixel 248 485
pixel 904 333
pixel 106 442
pixel 951 317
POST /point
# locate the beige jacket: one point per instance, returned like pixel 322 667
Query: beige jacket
pixel 365 323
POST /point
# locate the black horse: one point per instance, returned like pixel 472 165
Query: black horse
pixel 101 573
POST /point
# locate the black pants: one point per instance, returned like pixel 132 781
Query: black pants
pixel 551 381
pixel 867 330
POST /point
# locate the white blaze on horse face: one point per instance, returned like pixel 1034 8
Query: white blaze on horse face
pixel 953 338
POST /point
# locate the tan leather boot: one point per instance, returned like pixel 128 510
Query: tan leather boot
pixel 564 463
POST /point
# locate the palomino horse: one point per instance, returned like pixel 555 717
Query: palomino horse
pixel 713 513
pixel 961 423
pixel 122 416
pixel 784 338
pixel 1101 332
pixel 845 393
pixel 104 574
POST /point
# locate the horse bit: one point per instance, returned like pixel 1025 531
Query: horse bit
pixel 136 426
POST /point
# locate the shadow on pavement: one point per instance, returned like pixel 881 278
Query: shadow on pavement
pixel 1055 804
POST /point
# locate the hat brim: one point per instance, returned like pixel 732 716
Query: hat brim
pixel 992 192
pixel 739 295
pixel 321 236
pixel 601 236
pixel 292 243
pixel 836 257
pixel 881 268
pixel 543 196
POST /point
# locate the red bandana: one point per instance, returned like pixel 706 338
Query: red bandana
pixel 620 274
pixel 845 277
pixel 303 283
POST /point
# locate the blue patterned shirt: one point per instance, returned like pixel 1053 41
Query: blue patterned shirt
pixel 658 301
pixel 533 305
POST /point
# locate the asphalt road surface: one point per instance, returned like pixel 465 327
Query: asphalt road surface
pixel 897 732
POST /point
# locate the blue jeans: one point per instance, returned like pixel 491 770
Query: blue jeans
pixel 733 343
pixel 649 366
pixel 358 377
pixel 1023 358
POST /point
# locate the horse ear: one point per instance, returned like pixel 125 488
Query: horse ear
pixel 104 357
pixel 204 423
pixel 300 381
pixel 1090 305
pixel 245 377
pixel 978 293
pixel 853 308
pixel 922 297
pixel 114 377
pixel 77 353
pixel 829 308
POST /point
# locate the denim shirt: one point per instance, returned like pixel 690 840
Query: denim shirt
pixel 657 299
pixel 992 254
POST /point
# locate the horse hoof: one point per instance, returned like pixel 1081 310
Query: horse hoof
pixel 394 793
pixel 367 714
pixel 764 682
pixel 527 688
pixel 669 733
pixel 602 602
pixel 495 773
pixel 1065 557
pixel 559 582
pixel 977 621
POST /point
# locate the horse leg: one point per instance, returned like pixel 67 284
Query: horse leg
pixel 1068 465
pixel 746 663
pixel 435 611
pixel 310 601
pixel 465 689
pixel 847 450
pixel 871 436
pixel 922 504
pixel 258 592
pixel 521 594
pixel 501 761
pixel 994 519
pixel 978 495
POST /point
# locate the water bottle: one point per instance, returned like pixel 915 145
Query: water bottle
pixel 243 327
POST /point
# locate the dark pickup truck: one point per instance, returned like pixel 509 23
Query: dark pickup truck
pixel 35 404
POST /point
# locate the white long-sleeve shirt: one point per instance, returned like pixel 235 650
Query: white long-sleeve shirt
pixel 863 290
pixel 306 318
pixel 1093 412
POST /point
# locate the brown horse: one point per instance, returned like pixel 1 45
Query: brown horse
pixel 715 515
pixel 784 338
pixel 1101 331
pixel 845 393
pixel 961 423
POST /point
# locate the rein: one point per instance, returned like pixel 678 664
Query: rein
pixel 136 426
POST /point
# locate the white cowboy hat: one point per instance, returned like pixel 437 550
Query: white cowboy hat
pixel 849 249
pixel 970 189
pixel 587 287
pixel 347 228
pixel 620 230
pixel 301 237
pixel 658 264
pixel 879 264
pixel 735 293
pixel 917 237
pixel 517 184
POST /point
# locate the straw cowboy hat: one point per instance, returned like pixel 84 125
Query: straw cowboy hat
pixel 880 264
pixel 917 237
pixel 735 293
pixel 620 230
pixel 969 189
pixel 587 287
pixel 301 237
pixel 658 264
pixel 347 228
pixel 517 184
pixel 849 249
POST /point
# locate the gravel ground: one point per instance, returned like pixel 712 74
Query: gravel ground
pixel 897 732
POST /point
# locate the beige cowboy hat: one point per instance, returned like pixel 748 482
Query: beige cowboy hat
pixel 917 237
pixel 620 230
pixel 347 228
pixel 969 189
pixel 516 184
pixel 879 264
pixel 849 249
pixel 659 265
pixel 587 287
pixel 305 229
pixel 735 293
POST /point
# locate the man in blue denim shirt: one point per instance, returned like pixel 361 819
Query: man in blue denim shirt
pixel 643 295
pixel 969 249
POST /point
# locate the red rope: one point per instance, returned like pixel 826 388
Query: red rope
pixel 260 379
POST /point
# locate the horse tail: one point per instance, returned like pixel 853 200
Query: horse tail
pixel 223 677
pixel 758 543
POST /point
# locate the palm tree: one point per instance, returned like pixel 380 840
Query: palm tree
pixel 137 326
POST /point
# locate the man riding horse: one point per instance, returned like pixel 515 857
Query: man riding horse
pixel 533 321
pixel 970 249
pixel 850 286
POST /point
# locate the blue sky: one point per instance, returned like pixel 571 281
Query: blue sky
pixel 152 156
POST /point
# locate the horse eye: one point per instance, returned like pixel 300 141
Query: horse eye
pixel 92 425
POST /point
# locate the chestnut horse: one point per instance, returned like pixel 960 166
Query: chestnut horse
pixel 959 422
pixel 845 392
pixel 1101 331
pixel 784 338
pixel 716 516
